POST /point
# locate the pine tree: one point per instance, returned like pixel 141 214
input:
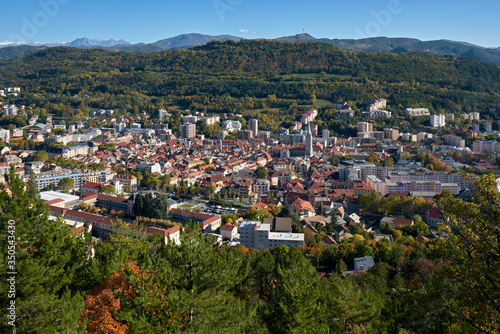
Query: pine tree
pixel 349 308
pixel 334 220
pixel 188 288
pixel 33 191
pixel 146 206
pixel 471 257
pixel 138 205
pixel 160 208
pixel 294 306
pixel 47 257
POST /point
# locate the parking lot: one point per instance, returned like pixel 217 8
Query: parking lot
pixel 218 210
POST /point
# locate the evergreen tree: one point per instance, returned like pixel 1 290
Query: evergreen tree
pixel 146 206
pixel 33 191
pixel 294 305
pixel 349 308
pixel 138 205
pixel 160 208
pixel 47 256
pixel 334 220
pixel 190 287
pixel 471 257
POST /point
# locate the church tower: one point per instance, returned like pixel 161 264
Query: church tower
pixel 309 142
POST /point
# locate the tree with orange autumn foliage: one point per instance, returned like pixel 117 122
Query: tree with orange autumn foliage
pixel 102 304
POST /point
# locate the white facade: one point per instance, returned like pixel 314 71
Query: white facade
pixel 438 121
pixel 309 116
pixel 253 234
pixel 229 231
pixel 211 120
pixel 190 119
pixel 377 104
pixel 421 186
pixel 188 130
pixel 150 168
pixel 10 110
pixel 417 112
pixel 119 127
pixel 162 114
pixel 365 127
pixel 454 141
pixel 230 125
pixel 261 186
pixel 409 136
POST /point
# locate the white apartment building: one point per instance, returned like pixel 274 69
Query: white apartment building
pixel 230 125
pixel 438 121
pixel 309 116
pixel 190 119
pixel 162 114
pixel 486 146
pixel 254 234
pixel 10 110
pixel 421 186
pixel 472 115
pixel 44 180
pixel 188 130
pixel 211 120
pixel 150 168
pixel 129 181
pixel 365 127
pixel 423 136
pixel 409 137
pixel 417 112
pixel 261 186
pixel 377 104
pixel 454 141
pixel 229 231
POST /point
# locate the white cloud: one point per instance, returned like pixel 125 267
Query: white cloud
pixel 243 31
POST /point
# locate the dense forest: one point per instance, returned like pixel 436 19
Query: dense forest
pixel 132 283
pixel 238 77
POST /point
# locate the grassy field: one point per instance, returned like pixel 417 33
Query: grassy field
pixel 322 103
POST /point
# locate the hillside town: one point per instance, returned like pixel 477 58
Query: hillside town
pixel 258 188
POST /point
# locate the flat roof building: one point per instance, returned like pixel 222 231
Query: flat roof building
pixel 254 234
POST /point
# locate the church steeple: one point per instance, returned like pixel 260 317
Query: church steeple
pixel 309 142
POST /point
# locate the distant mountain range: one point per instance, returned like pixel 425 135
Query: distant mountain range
pixel 85 42
pixel 375 44
pixel 79 42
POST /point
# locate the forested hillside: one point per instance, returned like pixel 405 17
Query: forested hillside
pixel 235 76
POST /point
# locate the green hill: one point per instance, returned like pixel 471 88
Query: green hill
pixel 255 69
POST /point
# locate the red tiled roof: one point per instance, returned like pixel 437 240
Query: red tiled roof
pixel 228 227
pixel 111 198
pixel 54 201
pixel 402 222
pixel 91 185
pixel 89 197
pixel 301 205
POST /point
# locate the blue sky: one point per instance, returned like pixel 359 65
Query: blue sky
pixel 148 21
